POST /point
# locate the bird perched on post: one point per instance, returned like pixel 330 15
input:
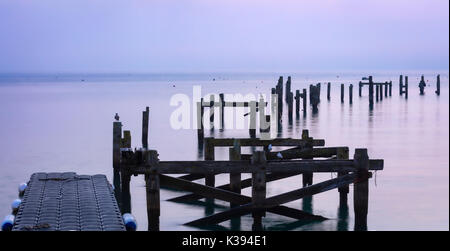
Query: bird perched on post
pixel 116 117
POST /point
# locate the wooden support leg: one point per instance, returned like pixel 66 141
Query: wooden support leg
pixel 252 126
pixel 328 91
pixel 235 178
pixel 360 88
pixel 200 127
pixel 117 135
pixel 307 176
pixel 342 153
pixel 342 93
pixel 350 93
pixel 258 188
pixel 210 179
pixel 126 196
pixel 152 185
pixel 211 112
pixel 361 189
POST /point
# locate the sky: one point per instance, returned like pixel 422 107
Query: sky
pixel 146 36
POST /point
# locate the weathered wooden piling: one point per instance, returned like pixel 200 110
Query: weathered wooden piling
pixel 145 118
pixel 117 136
pixel 290 105
pixel 328 91
pixel 361 189
pixel 390 88
pixel 211 112
pixel 370 91
pixel 350 93
pixel 297 102
pixel 288 89
pixel 304 101
pixel 381 92
pixel 342 93
pixel 343 153
pixel 222 110
pixel 360 88
pixel 252 126
pixel 422 85
pixel 125 178
pixel 406 87
pixel 438 85
pixel 258 188
pixel 307 176
pixel 235 178
pixel 210 179
pixel 400 85
pixel 152 185
pixel 314 97
pixel 318 91
pixel 200 126
pixel 377 93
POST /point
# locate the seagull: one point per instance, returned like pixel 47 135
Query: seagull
pixel 117 117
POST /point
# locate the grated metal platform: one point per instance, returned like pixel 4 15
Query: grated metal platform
pixel 66 202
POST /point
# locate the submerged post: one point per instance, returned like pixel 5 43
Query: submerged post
pixel 342 93
pixel 438 85
pixel 304 101
pixel 252 126
pixel 360 88
pixel 370 91
pixel 350 93
pixel 381 92
pixel 386 84
pixel 290 105
pixel 390 88
pixel 222 113
pixel 211 112
pixel 258 188
pixel 400 85
pixel 406 87
pixel 328 91
pixel 377 88
pixel 145 117
pixel 126 196
pixel 361 189
pixel 422 85
pixel 288 88
pixel 152 186
pixel 307 176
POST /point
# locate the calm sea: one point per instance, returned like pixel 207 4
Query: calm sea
pixel 64 123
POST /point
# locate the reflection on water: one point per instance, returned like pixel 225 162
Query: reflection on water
pixel 53 126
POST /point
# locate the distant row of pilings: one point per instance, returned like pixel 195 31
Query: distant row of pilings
pixel 377 92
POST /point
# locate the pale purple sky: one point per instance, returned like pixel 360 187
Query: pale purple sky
pixel 86 36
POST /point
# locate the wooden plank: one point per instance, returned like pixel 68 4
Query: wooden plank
pixel 217 167
pixel 276 200
pixel 260 142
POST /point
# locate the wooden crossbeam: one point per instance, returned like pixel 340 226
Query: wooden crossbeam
pixel 217 167
pixel 228 196
pixel 259 142
pixel 298 152
pixel 276 200
pixel 230 104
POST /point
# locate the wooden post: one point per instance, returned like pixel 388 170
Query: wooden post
pixel 361 189
pixel 386 84
pixel 235 178
pixel 264 121
pixel 438 85
pixel 117 135
pixel 152 186
pixel 342 153
pixel 342 93
pixel 307 176
pixel 350 93
pixel 422 85
pixel 318 91
pixel 210 179
pixel 377 91
pixel 297 102
pixel 288 88
pixel 400 85
pixel 304 101
pixel 406 87
pixel 328 91
pixel 145 117
pixel 274 109
pixel 280 82
pixel 370 91
pixel 360 88
pixel 390 88
pixel 126 140
pixel 126 196
pixel 222 107
pixel 258 188
pixel 200 128
pixel 381 92
pixel 252 126
pixel 290 105
pixel 211 112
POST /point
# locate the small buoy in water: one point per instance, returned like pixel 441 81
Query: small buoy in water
pixel 15 205
pixel 269 147
pixel 129 221
pixel 22 188
pixel 8 223
pixel 279 155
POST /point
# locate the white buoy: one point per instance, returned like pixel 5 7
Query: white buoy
pixel 129 221
pixel 15 205
pixel 22 188
pixel 8 223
